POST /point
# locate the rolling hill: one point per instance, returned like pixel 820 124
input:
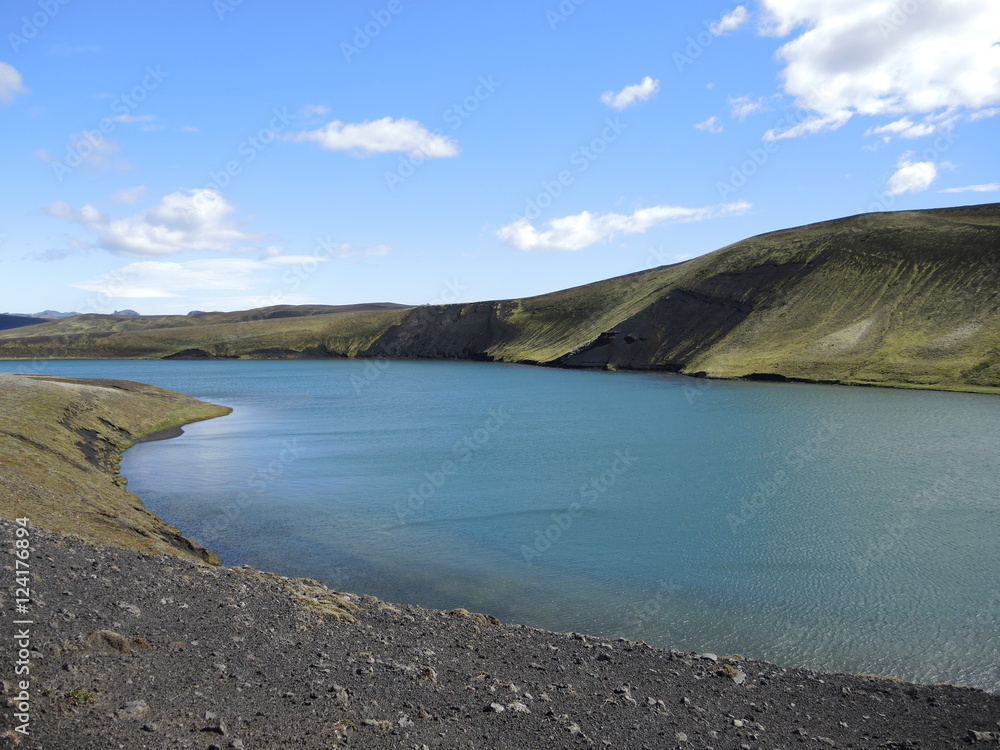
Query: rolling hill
pixel 908 298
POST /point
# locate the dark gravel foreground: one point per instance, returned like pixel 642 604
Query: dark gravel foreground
pixel 134 651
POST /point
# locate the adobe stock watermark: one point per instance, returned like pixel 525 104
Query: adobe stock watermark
pixel 223 8
pixel 375 366
pixel 32 25
pixel 697 44
pixel 258 481
pixel 794 461
pixel 292 279
pixel 99 303
pixel 655 606
pixel 91 142
pixel 898 16
pixel 656 257
pixel 454 116
pixel 742 172
pixel 589 494
pixel 248 149
pixel 364 34
pixel 462 454
pixel 580 159
pixel 930 498
pixel 561 13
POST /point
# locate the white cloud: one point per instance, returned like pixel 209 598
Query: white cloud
pixel 731 21
pixel 809 126
pixel 380 137
pixel 904 128
pixel 159 279
pixel 586 229
pixel 637 92
pixel 742 107
pixel 912 177
pixel 985 113
pixel 992 187
pixel 130 196
pixel 311 110
pixel 11 83
pixel 859 57
pixel 711 125
pixel 194 222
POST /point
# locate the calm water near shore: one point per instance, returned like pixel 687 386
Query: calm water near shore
pixel 844 529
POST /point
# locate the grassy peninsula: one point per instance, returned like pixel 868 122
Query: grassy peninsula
pixel 60 446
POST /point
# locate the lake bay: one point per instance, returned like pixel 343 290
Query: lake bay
pixel 837 528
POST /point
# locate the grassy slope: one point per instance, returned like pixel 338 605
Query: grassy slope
pixel 910 298
pixel 904 298
pixel 60 440
pixel 270 330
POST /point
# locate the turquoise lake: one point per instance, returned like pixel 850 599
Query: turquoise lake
pixel 836 528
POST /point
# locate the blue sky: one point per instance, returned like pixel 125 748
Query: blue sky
pixel 226 154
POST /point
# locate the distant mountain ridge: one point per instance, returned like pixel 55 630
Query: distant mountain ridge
pixel 8 321
pixel 907 298
pixel 50 315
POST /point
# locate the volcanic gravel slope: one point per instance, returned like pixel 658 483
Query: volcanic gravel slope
pixel 132 650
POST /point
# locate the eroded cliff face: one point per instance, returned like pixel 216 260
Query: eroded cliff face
pixel 447 332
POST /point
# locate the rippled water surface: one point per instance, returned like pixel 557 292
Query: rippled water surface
pixel 844 529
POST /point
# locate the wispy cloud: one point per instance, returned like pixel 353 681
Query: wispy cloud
pixel 132 118
pixel 984 114
pixel 163 279
pixel 312 110
pixel 731 21
pixel 91 151
pixel 585 229
pixel 741 107
pixel 11 83
pixel 711 125
pixel 638 92
pixel 380 137
pixel 992 187
pixel 130 196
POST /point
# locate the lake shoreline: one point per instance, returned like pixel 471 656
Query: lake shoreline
pixel 697 376
pixel 159 649
pixel 407 673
